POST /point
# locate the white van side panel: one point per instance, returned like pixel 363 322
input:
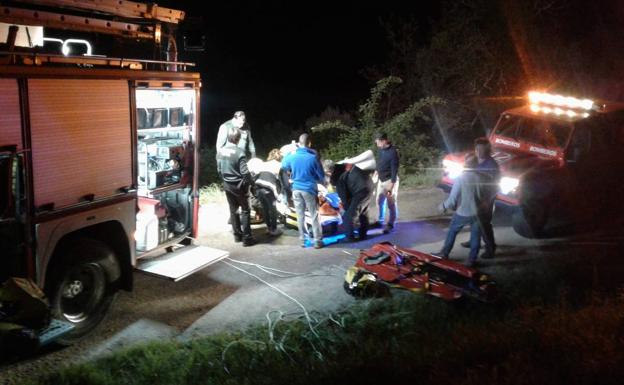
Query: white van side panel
pixel 10 126
pixel 81 139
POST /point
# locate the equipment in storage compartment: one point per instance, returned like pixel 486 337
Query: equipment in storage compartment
pixel 159 117
pixel 176 116
pixel 162 218
pixel 81 139
pixel 142 115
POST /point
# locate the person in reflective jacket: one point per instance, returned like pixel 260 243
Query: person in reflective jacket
pixel 246 142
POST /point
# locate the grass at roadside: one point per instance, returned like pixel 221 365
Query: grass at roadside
pixel 545 330
pixel 212 193
pixel 427 177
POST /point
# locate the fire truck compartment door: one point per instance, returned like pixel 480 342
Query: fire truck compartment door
pixel 182 263
pixel 81 139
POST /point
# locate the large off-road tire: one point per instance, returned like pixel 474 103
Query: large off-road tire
pixel 528 224
pixel 82 286
pixel 530 218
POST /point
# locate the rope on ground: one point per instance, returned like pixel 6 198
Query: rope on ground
pixel 290 274
pixel 305 311
pixel 268 270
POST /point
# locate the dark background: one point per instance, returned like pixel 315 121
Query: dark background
pixel 286 61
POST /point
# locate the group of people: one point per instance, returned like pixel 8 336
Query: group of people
pixel 296 175
pixel 297 178
pixel 472 197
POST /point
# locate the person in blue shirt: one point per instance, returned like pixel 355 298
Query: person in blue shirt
pixel 305 173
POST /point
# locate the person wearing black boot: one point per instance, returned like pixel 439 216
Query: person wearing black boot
pixel 354 188
pixel 233 170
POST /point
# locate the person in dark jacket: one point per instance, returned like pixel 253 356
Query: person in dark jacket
pixel 354 188
pixel 246 142
pixel 490 176
pixel 489 173
pixel 232 168
pixel 388 180
pixel 267 189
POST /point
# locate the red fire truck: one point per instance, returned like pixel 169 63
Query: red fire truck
pixel 98 156
pixel 560 160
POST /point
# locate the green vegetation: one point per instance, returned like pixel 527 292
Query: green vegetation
pixel 418 155
pixel 212 193
pixel 208 166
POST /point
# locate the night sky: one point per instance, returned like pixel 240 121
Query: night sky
pixel 286 61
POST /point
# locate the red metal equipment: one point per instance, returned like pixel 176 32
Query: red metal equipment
pixel 422 272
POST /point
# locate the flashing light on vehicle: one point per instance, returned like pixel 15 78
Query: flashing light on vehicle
pixel 558 111
pixel 508 184
pixel 452 169
pixel 570 102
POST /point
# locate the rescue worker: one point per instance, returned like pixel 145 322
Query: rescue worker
pixel 232 168
pixel 354 188
pixel 388 180
pixel 305 172
pixel 490 177
pixel 246 142
pixel 266 190
pixel 466 198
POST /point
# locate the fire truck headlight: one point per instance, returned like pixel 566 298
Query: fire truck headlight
pixel 452 169
pixel 508 184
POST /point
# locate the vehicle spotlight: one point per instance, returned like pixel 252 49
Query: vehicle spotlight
pixel 452 169
pixel 508 184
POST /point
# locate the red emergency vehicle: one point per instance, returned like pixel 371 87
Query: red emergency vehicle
pixel 560 159
pixel 98 155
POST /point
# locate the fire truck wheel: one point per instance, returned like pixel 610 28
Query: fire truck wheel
pixel 83 286
pixel 529 220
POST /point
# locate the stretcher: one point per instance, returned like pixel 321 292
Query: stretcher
pixel 385 265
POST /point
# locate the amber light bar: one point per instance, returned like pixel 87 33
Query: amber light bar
pixel 559 105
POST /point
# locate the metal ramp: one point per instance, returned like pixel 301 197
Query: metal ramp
pixel 181 263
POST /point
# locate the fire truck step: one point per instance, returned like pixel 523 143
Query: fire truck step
pixel 181 263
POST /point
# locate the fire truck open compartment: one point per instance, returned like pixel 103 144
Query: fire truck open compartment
pixel 165 135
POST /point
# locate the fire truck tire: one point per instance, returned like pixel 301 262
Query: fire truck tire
pixel 529 220
pixel 82 286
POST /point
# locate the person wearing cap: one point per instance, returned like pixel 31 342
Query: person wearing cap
pixel 246 142
pixel 354 188
pixel 388 180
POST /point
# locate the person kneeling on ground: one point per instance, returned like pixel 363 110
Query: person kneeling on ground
pixel 354 188
pixel 466 199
